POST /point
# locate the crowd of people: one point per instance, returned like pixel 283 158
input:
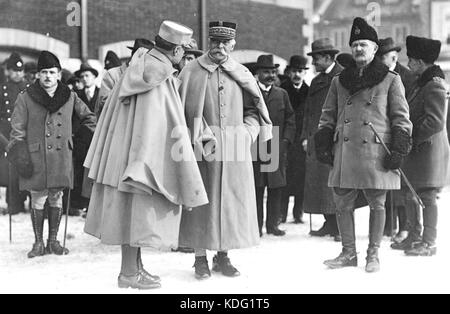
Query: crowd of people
pixel 177 147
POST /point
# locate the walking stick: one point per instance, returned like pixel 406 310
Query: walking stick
pixel 310 222
pixel 408 184
pixel 9 202
pixel 66 219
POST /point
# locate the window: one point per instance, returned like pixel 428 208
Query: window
pixel 339 37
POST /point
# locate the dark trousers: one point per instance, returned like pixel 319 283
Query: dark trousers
pixel 396 212
pixel 297 211
pixel 76 198
pixel 14 197
pixel 272 206
pixel 345 204
pixel 429 213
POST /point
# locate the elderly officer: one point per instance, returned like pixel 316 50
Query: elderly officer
pixel 224 111
pixel 428 104
pixel 283 117
pixel 364 94
pixel 42 123
pixel 8 94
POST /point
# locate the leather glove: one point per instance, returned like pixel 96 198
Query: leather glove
pixel 323 141
pixel 20 157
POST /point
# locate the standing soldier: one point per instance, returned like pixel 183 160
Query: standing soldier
pixel 297 90
pixel 427 167
pixel 318 197
pixel 190 54
pixel 365 94
pixel 42 126
pixel 388 53
pixel 140 183
pixel 224 106
pixel 282 116
pixel 8 94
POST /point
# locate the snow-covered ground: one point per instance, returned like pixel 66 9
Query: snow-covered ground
pixel 290 264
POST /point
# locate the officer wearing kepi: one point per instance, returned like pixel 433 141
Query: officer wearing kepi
pixel 8 95
pixel 364 95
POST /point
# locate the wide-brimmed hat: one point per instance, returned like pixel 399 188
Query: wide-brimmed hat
pixel 322 45
pixel 112 60
pixel 265 62
pixel 298 62
pixel 192 48
pixel 84 68
pixel 141 42
pixel 387 45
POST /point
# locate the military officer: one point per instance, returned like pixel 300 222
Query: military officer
pixel 363 95
pixel 8 95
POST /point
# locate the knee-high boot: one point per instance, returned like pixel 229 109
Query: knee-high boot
pixel 37 219
pixel 377 221
pixel 54 219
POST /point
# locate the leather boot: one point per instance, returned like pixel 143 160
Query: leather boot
pixel 201 268
pixel 222 263
pixel 377 220
pixel 346 224
pixel 373 263
pixel 37 219
pixel 142 270
pixel 53 245
pixel 347 258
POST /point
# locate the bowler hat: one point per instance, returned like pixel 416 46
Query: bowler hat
pixel 423 48
pixel 141 42
pixel 362 30
pixel 322 45
pixel 265 62
pixel 298 62
pixel 15 62
pixel 387 45
pixel 86 68
pixel 222 30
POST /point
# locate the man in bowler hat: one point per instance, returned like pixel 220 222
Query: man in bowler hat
pixel 283 117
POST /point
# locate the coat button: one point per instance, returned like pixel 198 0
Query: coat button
pixel 345 139
pixel 58 148
pixel 349 103
pixel 9 119
pixel 8 111
pixel 49 147
pixel 59 113
pixel 59 124
pixel 48 135
pixel 222 116
pixel 369 103
pixel 365 142
pixel 7 102
pixel 58 136
pixel 366 123
pixel 5 94
pixel 347 121
pixel 222 105
pixel 49 122
pixel 4 87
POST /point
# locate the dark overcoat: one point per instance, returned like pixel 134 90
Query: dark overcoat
pixel 407 77
pixel 283 118
pixel 352 103
pixel 296 155
pixel 8 95
pixel 318 197
pixel 428 163
pixel 48 135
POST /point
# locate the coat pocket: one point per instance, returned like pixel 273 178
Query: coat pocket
pixel 32 148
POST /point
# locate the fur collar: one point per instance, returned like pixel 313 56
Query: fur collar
pixel 429 74
pixel 373 74
pixel 39 95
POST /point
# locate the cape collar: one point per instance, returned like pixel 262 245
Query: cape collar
pixel 373 74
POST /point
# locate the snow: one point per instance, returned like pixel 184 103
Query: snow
pixel 290 264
